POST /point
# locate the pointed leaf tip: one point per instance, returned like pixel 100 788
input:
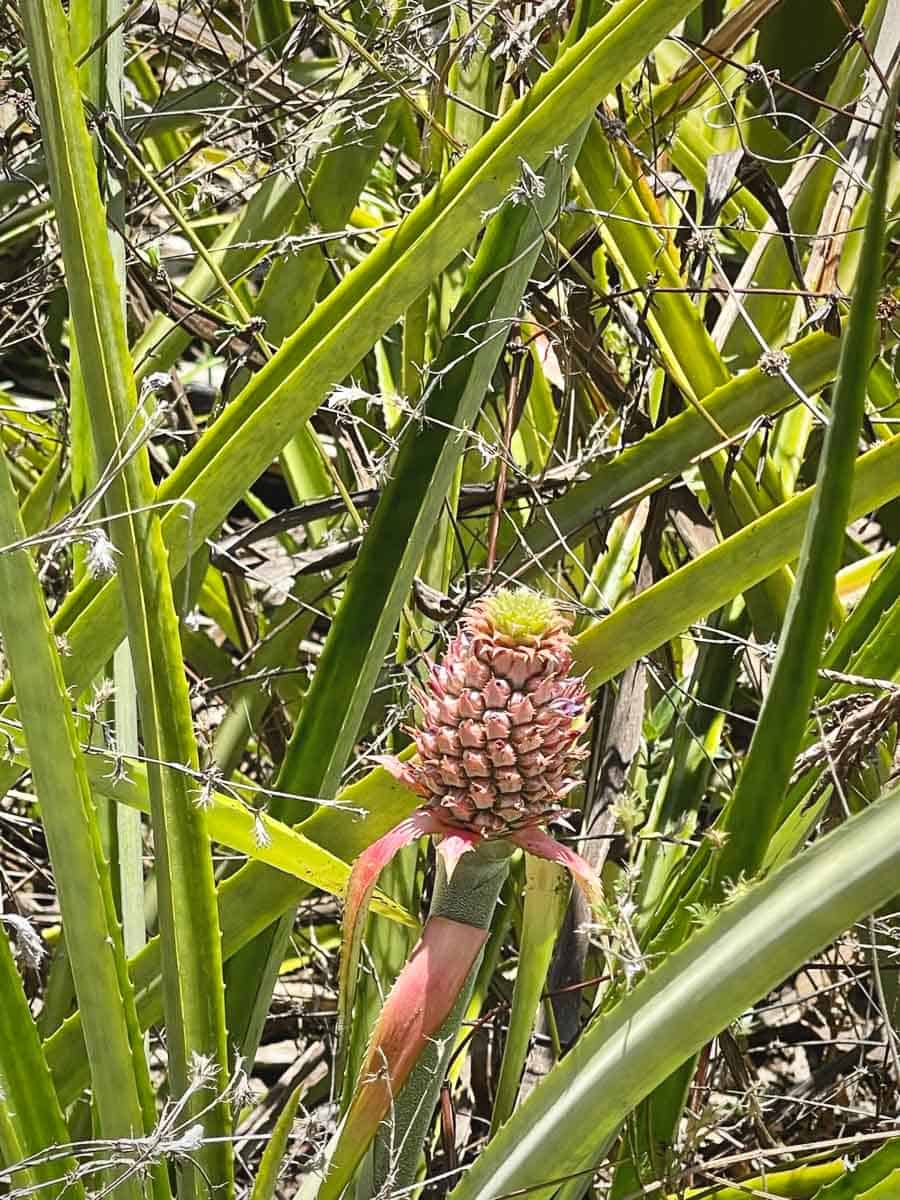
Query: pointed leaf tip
pixel 453 845
pixel 401 771
pixel 542 845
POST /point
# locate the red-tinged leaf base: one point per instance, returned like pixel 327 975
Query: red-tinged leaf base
pixel 428 987
pixel 360 886
pixel 419 1003
pixel 452 845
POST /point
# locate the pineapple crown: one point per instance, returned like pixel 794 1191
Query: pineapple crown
pixel 522 616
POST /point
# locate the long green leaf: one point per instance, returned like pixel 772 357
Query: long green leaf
pixel 261 837
pixel 546 893
pixel 195 1010
pixel 31 1120
pixel 859 626
pixel 669 607
pixel 752 813
pixel 666 452
pixel 866 1175
pixel 90 22
pixel 795 1183
pixel 266 1180
pixel 119 1073
pixel 369 299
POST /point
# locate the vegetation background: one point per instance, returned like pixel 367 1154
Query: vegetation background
pixel 318 322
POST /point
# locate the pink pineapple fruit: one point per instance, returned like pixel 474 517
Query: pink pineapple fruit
pixel 502 716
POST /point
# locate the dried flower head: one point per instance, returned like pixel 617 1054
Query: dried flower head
pixel 773 362
pixel 100 561
pixel 29 944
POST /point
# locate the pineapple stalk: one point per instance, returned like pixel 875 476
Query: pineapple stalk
pixel 498 751
pixel 465 902
pixel 415 1032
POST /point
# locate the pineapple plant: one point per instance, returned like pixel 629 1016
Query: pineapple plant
pixel 497 752
pixel 489 322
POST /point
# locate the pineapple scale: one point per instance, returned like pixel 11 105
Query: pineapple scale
pixel 501 719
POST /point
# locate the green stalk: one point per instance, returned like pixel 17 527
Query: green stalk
pixel 470 896
pixel 119 1076
pixel 402 1113
pixel 195 1013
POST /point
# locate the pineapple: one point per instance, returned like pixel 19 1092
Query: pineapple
pixel 497 748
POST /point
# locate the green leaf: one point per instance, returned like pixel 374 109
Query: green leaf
pixel 872 1171
pixel 669 450
pixel 195 1010
pixel 272 19
pixel 796 1183
pixel 861 623
pixel 261 837
pixel 751 816
pixel 691 593
pixel 546 893
pixel 266 1180
pixel 31 1121
pixel 118 1069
